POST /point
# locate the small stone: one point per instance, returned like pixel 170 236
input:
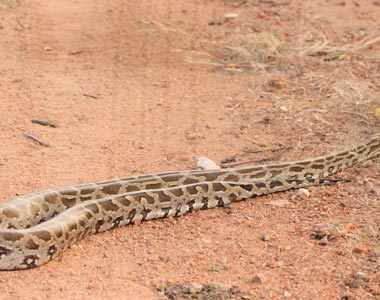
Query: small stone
pixel 228 159
pixel 204 163
pixel 223 286
pixel 267 236
pixel 287 294
pixel 361 249
pixel 357 283
pixel 194 136
pixel 319 234
pixel 223 262
pixel 360 280
pixel 259 278
pixel 230 16
pixel 195 288
pixel 323 241
pixel 160 102
pixel 346 296
pixel 280 264
pixel 92 287
pixel 206 241
pixel 303 193
pixel 362 276
pixel 235 290
pixel 271 264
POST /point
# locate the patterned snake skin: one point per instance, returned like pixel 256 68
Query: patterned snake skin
pixel 37 227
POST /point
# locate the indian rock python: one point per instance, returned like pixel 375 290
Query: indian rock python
pixel 37 227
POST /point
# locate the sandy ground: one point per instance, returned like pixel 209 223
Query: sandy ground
pixel 139 87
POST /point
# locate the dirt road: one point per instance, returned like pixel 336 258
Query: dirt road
pixel 139 87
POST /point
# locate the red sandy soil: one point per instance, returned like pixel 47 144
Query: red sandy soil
pixel 174 80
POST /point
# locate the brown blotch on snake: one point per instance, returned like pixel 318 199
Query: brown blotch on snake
pixel 260 185
pixel 68 202
pixel 296 169
pixel 31 245
pixel 257 175
pixel 109 205
pixel 112 189
pixel 275 183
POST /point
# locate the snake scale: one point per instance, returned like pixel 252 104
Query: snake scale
pixel 36 228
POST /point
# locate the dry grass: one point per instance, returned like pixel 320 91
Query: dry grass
pixel 268 52
pixel 309 65
pixel 322 47
pixel 271 55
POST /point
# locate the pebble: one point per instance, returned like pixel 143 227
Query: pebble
pixel 223 286
pixel 267 236
pixel 360 280
pixel 303 193
pixel 346 296
pixel 259 278
pixel 205 163
pixel 271 264
pixel 362 276
pixel 361 249
pixel 206 241
pixel 280 264
pixel 287 294
pixel 357 283
pixel 92 287
pixel 223 262
pixel 323 242
pixel 228 159
pixel 194 136
pixel 230 16
pixel 195 288
pixel 322 234
pixel 235 290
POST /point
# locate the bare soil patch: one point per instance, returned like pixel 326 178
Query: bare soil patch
pixel 148 86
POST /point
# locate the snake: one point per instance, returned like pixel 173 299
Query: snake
pixel 36 228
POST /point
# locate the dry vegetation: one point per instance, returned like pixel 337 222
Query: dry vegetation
pixel 257 80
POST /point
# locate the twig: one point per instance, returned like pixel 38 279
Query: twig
pixel 75 52
pixel 271 150
pixel 90 96
pixel 228 159
pixel 274 3
pixel 263 160
pixel 357 114
pixel 322 120
pixel 44 123
pixel 36 140
pixel 364 118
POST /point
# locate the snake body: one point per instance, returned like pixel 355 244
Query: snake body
pixel 36 228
